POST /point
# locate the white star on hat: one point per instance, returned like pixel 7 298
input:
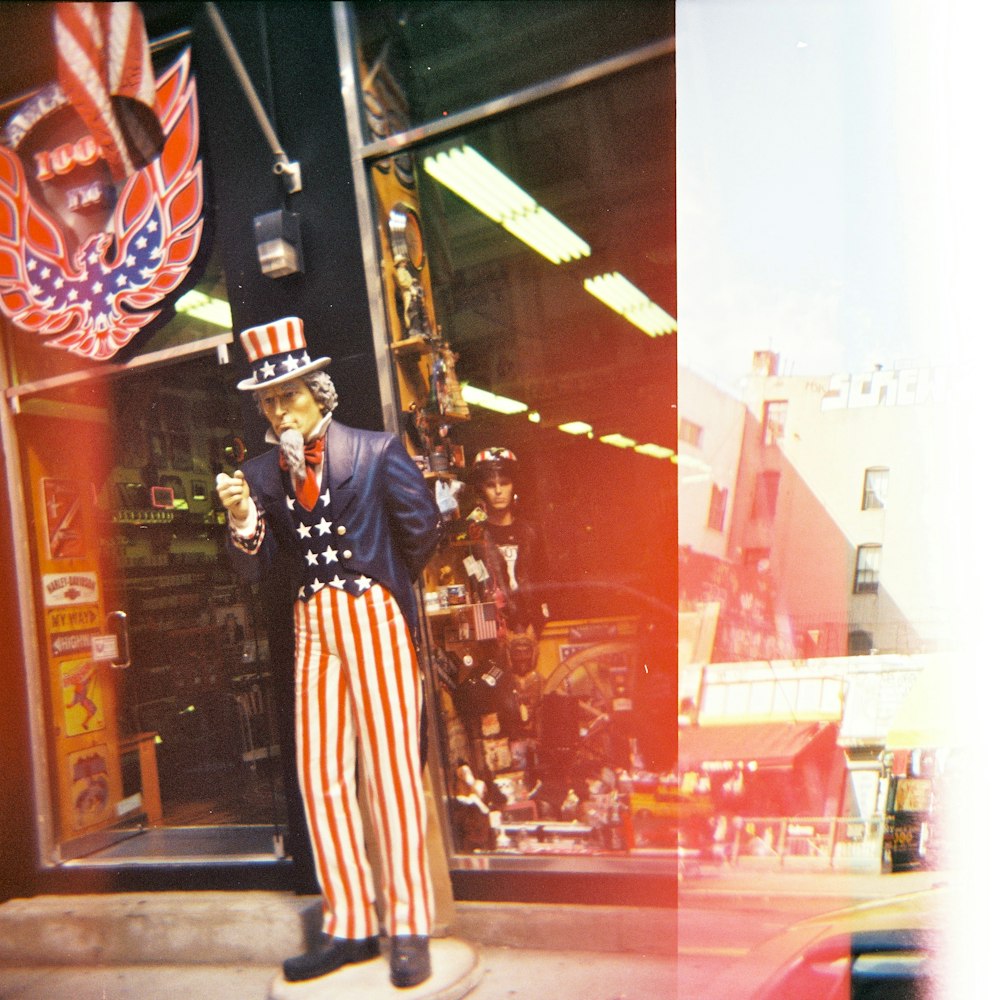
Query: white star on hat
pixel 267 369
pixel 289 364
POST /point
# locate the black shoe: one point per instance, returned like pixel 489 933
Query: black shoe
pixel 334 953
pixel 409 960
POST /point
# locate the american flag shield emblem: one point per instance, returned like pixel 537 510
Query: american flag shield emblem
pixel 85 263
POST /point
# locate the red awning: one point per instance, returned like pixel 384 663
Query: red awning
pixel 765 744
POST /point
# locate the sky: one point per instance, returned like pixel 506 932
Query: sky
pixel 838 168
pixel 813 215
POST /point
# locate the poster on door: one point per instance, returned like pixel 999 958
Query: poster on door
pixel 90 786
pixel 83 698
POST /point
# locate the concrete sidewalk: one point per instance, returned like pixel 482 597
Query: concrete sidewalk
pixel 229 945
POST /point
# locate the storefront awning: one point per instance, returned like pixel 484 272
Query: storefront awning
pixel 757 746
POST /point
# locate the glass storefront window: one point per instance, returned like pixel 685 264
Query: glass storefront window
pixel 446 56
pixel 539 399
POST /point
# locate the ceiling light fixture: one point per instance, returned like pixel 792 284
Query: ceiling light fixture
pixel 654 450
pixel 619 441
pixel 491 401
pixel 472 177
pixel 207 308
pixel 624 298
pixel 576 427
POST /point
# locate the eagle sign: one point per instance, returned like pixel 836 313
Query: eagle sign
pixel 83 264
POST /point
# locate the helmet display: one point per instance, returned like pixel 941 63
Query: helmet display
pixel 493 460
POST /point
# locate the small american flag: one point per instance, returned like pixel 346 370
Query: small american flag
pixel 105 70
pixel 484 620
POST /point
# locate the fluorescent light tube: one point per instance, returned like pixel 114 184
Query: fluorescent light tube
pixel 473 178
pixel 207 308
pixel 654 450
pixel 619 441
pixel 620 295
pixel 491 401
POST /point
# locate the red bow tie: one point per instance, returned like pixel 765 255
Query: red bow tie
pixel 307 491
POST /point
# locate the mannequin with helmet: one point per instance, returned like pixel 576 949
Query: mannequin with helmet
pixel 510 547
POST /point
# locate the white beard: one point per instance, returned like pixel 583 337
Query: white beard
pixel 293 447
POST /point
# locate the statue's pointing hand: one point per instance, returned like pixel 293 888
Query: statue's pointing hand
pixel 234 493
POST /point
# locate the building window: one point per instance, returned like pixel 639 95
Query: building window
pixel 690 432
pixel 775 415
pixel 866 569
pixel 859 643
pixel 765 497
pixel 717 507
pixel 876 488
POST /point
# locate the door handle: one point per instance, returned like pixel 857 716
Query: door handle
pixel 117 623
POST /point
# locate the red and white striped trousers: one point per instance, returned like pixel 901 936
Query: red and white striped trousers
pixel 357 687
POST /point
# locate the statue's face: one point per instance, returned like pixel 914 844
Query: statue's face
pixel 290 406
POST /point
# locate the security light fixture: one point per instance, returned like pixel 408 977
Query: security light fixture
pixel 279 243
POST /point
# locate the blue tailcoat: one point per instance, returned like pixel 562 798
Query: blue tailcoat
pixel 384 521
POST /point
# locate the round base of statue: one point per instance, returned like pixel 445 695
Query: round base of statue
pixel 455 972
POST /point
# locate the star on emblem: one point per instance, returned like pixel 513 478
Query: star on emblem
pixel 363 583
pixel 291 502
pixel 267 369
pixel 304 530
pixel 330 555
pixel 325 497
pixel 289 364
pixel 323 526
pixel 312 558
pixel 302 591
pixel 316 585
pixel 338 583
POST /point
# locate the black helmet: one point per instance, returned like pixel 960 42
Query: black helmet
pixel 490 461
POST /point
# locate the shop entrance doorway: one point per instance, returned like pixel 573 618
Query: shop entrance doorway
pixel 153 716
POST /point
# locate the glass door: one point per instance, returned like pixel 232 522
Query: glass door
pixel 156 688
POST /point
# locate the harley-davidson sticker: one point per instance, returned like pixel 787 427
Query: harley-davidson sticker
pixel 69 588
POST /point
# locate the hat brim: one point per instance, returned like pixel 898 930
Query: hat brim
pixel 251 385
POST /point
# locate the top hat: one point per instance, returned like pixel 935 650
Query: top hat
pixel 277 353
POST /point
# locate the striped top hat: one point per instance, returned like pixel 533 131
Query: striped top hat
pixel 277 353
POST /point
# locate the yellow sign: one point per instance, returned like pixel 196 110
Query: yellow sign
pixel 72 619
pixel 83 700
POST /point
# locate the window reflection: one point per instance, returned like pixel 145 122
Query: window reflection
pixel 543 415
